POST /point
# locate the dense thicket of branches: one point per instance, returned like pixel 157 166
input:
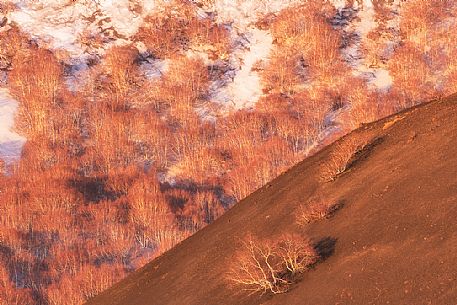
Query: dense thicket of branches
pixel 123 169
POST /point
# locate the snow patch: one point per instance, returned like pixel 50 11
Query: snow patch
pixel 11 143
pixel 62 23
pixel 154 69
pixel 339 4
pixel 381 79
pixel 244 88
pixel 76 76
pixel 243 13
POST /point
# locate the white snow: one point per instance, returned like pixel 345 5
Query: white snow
pixel 381 79
pixel 339 4
pixel 246 87
pixel 242 13
pixel 61 23
pixel 154 69
pixel 10 142
pixel 77 77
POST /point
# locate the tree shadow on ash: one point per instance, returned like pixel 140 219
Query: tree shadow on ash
pixel 325 248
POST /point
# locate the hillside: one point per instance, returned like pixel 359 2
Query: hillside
pixel 393 242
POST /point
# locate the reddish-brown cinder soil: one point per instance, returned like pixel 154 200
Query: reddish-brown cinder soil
pixel 393 242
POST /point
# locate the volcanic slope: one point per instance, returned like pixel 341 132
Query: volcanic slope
pixel 393 242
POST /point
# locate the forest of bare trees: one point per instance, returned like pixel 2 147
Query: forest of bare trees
pixel 121 170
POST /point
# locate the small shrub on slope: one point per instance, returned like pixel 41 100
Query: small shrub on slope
pixel 265 266
pixel 342 157
pixel 297 253
pixel 316 210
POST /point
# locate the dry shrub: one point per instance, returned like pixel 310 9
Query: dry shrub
pixel 12 43
pixel 412 75
pixel 305 51
pixel 316 210
pixel 168 32
pixel 257 268
pixel 9 295
pixel 271 266
pixel 297 253
pixel 341 158
pixel 119 65
pixel 178 28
